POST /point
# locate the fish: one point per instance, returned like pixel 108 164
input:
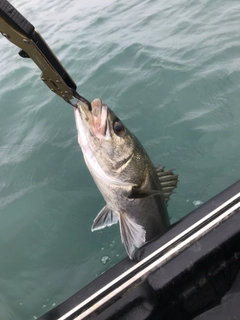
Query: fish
pixel 135 191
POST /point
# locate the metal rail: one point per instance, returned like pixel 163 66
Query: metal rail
pixel 97 302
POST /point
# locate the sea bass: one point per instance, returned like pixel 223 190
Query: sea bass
pixel 135 191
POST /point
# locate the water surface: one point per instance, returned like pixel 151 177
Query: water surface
pixel 171 72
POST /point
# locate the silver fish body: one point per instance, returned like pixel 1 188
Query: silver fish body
pixel 134 190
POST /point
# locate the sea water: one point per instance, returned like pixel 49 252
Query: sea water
pixel 170 69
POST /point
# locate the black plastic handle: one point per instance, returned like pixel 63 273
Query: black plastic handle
pixel 21 25
pixel 14 17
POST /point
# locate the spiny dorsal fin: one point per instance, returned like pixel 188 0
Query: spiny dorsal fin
pixel 168 181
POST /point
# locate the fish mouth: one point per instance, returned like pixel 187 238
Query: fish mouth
pixel 95 117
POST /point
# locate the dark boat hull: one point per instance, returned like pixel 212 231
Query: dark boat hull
pixel 185 287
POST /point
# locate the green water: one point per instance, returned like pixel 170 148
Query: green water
pixel 171 72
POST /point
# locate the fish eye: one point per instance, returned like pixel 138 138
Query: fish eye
pixel 118 128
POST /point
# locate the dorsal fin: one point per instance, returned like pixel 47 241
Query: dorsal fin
pixel 168 181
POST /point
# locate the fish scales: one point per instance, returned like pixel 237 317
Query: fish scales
pixel 125 175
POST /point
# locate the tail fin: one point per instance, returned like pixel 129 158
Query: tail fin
pixel 132 234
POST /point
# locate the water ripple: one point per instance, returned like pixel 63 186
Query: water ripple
pixel 169 69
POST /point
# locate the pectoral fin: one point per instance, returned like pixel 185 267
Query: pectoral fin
pixel 105 218
pixel 133 235
pixel 137 193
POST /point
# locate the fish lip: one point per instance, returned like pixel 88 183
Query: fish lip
pixel 83 109
pixel 96 107
pixel 96 117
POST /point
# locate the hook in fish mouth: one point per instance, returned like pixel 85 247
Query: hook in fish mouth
pixel 76 99
pixel 75 104
pixel 82 99
pixel 95 108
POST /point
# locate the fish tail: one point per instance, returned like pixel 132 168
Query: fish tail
pixel 133 235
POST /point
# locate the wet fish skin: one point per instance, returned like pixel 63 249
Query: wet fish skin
pixel 125 176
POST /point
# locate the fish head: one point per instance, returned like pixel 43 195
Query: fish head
pixel 100 132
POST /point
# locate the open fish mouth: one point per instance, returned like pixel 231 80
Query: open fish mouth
pixel 96 117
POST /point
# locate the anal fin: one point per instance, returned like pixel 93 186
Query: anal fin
pixel 105 218
pixel 133 235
